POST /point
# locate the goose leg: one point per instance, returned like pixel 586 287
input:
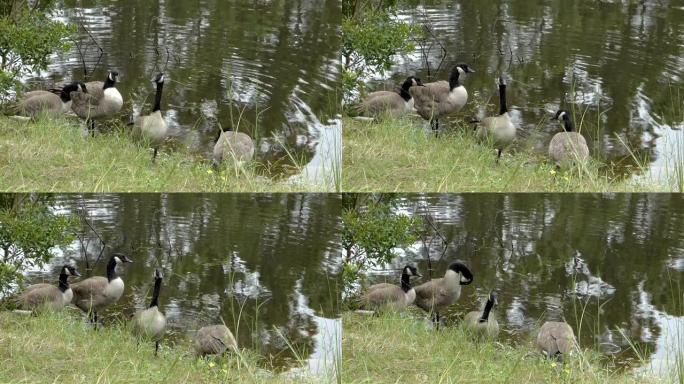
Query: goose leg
pixel 156 348
pixel 91 128
pixel 498 156
pixel 154 155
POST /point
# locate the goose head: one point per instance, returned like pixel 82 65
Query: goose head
pixel 158 275
pixel 113 76
pixel 159 79
pixel 502 81
pixel 411 81
pixel 564 117
pixel 494 298
pixel 68 270
pixel 120 258
pixel 462 69
pixel 65 93
pixel 411 271
pixel 460 268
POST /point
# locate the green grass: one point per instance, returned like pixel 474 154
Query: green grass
pixel 398 155
pixel 59 347
pixel 395 348
pixel 54 155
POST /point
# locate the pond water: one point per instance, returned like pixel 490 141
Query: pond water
pixel 616 260
pixel 266 265
pixel 267 67
pixel 618 64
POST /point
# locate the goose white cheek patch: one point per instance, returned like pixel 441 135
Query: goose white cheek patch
pixel 117 259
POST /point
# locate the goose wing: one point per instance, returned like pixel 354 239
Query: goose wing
pixel 382 295
pixel 39 294
pixel 430 294
pixel 90 290
pixel 39 101
pixel 96 89
pixel 428 97
pixel 379 102
pixel 556 337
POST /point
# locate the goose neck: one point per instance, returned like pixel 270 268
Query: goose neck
pixel 63 282
pixel 111 270
pixel 405 282
pixel 109 83
pixel 155 294
pixel 568 125
pixel 157 98
pixel 454 80
pixel 404 93
pixel 503 108
pixel 487 309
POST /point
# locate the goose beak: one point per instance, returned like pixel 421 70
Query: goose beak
pixel 77 274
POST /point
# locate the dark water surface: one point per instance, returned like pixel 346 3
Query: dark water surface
pixel 269 67
pixel 265 264
pixel 617 260
pixel 618 64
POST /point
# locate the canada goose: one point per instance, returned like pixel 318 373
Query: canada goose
pixel 483 322
pixel 556 339
pixel 567 146
pixel 499 129
pixel 151 322
pixel 393 103
pixel 98 292
pixel 101 100
pixel 56 101
pixel 214 340
pixel 438 294
pixel 389 295
pixel 441 98
pixel 152 128
pixel 232 145
pixel 48 296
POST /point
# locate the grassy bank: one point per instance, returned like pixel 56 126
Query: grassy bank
pixel 59 347
pixel 54 155
pixel 397 155
pixel 400 349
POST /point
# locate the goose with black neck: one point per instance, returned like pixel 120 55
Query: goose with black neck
pixel 98 292
pixel 47 296
pixel 152 129
pixel 441 98
pixel 101 100
pixel 567 146
pixel 385 295
pixel 392 103
pixel 483 323
pixel 150 323
pixel 498 130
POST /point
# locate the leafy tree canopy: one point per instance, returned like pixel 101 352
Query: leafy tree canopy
pixel 28 36
pixel 29 231
pixel 371 36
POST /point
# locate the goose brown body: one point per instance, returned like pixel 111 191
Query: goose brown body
pixel 214 340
